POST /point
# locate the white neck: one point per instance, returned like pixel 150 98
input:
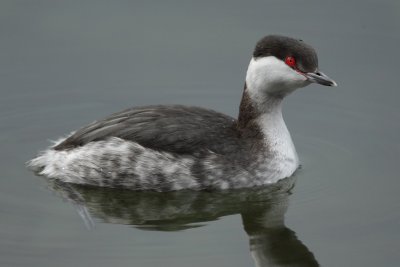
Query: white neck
pixel 274 129
pixel 281 159
pixel 266 93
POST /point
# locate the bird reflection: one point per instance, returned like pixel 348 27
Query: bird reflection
pixel 262 211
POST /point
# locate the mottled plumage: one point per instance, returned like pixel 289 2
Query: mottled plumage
pixel 160 148
pixel 167 148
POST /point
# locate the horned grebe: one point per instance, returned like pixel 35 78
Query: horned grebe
pixel 167 148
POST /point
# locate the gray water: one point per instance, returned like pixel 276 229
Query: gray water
pixel 64 64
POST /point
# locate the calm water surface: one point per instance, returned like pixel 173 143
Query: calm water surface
pixel 64 64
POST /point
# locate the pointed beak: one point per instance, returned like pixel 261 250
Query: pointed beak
pixel 320 78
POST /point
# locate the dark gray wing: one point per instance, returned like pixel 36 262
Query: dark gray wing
pixel 175 128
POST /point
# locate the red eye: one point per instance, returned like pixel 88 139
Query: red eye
pixel 290 61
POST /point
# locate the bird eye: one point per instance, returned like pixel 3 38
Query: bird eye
pixel 290 61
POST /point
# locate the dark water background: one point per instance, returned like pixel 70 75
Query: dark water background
pixel 66 63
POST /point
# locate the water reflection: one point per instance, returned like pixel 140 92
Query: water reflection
pixel 262 211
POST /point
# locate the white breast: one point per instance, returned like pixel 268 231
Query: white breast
pixel 281 160
pixel 268 79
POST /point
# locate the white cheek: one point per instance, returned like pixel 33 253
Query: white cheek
pixel 271 75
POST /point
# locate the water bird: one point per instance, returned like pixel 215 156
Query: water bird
pixel 174 147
